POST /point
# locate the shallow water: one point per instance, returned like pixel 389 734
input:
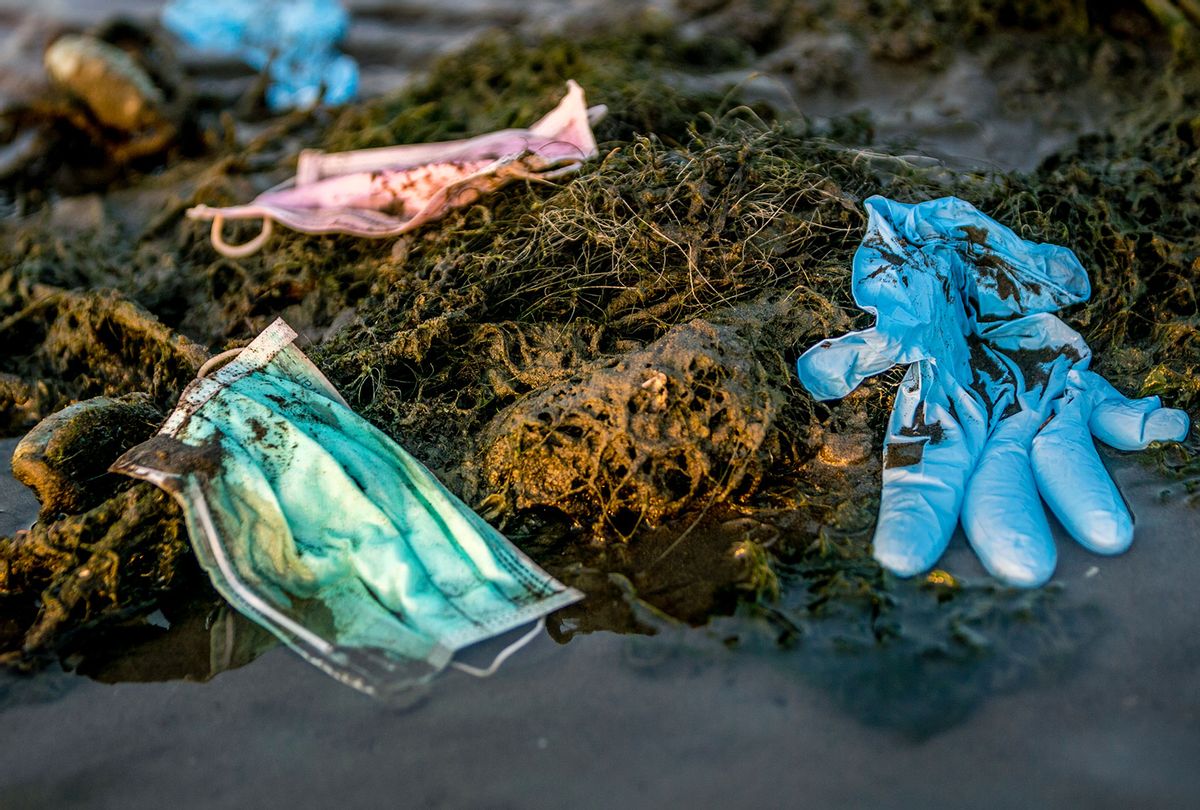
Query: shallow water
pixel 675 719
pixel 18 507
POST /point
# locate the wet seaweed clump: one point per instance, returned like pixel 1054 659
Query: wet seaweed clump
pixel 65 346
pixel 628 445
pixel 509 80
pixel 104 548
pixel 546 357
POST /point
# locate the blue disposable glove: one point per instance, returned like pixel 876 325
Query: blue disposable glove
pixel 292 39
pixel 997 404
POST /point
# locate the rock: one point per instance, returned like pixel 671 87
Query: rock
pixel 105 78
pixel 65 459
pixel 122 91
pixel 104 547
pixel 668 427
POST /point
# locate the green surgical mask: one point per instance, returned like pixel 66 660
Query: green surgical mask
pixel 316 525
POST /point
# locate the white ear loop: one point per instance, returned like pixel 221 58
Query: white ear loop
pixel 504 655
pixel 217 360
pixel 244 249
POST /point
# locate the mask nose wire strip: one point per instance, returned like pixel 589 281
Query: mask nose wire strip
pixel 504 655
pixel 245 249
pixel 217 360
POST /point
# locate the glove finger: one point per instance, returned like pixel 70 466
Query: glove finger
pixel 928 456
pixel 833 368
pixel 1128 424
pixel 1075 483
pixel 1133 424
pixel 1002 514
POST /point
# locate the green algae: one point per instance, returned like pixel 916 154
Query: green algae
pixel 563 300
pixel 65 458
pixel 104 548
pixel 65 346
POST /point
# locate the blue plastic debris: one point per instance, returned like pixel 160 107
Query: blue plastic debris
pixel 292 39
pixel 997 404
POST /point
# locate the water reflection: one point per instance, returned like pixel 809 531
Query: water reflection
pixel 919 666
pixel 200 641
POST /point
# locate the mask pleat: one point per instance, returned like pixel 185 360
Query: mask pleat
pixel 479 576
pixel 340 534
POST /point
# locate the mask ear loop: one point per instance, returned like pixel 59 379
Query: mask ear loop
pixel 217 360
pixel 504 654
pixel 246 248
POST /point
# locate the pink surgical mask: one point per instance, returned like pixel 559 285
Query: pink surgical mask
pixel 392 190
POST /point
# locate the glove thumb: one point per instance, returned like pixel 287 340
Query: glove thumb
pixel 1130 424
pixel 833 368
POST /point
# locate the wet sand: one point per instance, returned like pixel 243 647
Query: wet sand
pixel 674 720
pixel 18 507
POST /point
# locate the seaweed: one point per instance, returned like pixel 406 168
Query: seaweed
pixel 65 346
pixel 506 80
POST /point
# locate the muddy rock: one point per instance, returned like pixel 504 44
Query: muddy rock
pixel 64 459
pixel 106 79
pixel 114 102
pixel 124 88
pixel 686 420
pixel 104 546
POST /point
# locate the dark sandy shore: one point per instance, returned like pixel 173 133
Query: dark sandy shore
pixel 18 507
pixel 673 720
